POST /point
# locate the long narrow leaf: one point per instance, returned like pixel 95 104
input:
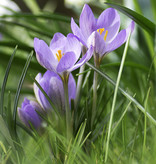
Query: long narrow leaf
pixel 19 88
pixel 5 79
pixel 115 96
pixel 50 16
pixel 4 130
pixel 123 92
pixel 139 19
pixel 11 23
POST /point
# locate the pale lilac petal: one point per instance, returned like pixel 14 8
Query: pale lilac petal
pixel 87 21
pixel 57 43
pixel 109 20
pixel 98 43
pixel 83 60
pixel 112 32
pixel 66 62
pixel 120 38
pixel 44 55
pixel 71 87
pixel 27 113
pixel 45 85
pixel 57 92
pixel 73 45
pixel 36 89
pixel 77 32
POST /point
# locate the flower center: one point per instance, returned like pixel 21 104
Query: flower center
pixel 59 55
pixel 101 30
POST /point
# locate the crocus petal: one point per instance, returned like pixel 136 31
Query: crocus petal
pixel 87 21
pixel 83 60
pixel 73 45
pixel 109 20
pixel 77 32
pixel 57 92
pixel 36 89
pixel 66 62
pixel 27 113
pixel 120 38
pixel 98 43
pixel 43 54
pixel 45 85
pixel 58 42
pixel 71 87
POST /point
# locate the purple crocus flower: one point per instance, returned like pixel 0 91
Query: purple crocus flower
pixel 62 55
pixel 102 33
pixel 53 86
pixel 27 113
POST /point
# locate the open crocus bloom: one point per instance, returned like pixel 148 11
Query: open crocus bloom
pixel 27 113
pixel 102 33
pixel 62 55
pixel 53 86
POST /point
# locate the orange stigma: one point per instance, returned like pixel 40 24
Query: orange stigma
pixel 59 55
pixel 101 30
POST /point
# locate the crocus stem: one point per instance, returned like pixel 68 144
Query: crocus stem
pixel 95 80
pixel 79 82
pixel 78 89
pixel 67 108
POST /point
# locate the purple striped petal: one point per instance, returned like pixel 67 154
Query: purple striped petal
pixel 77 32
pixel 73 45
pixel 87 21
pixel 98 43
pixel 58 42
pixel 71 88
pixel 44 55
pixel 120 38
pixel 66 62
pixel 109 20
pixel 27 113
pixel 83 60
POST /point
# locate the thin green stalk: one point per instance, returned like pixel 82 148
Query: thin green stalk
pixel 123 92
pixel 25 69
pixel 79 84
pixel 94 97
pixel 79 81
pixel 6 78
pixel 145 124
pixel 122 116
pixel 95 83
pixel 67 107
pixel 115 97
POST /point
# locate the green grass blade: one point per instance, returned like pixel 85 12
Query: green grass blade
pixel 153 5
pixel 44 16
pixel 29 28
pixel 115 97
pixel 148 40
pixel 139 19
pixel 145 123
pixel 124 93
pixel 4 130
pixel 19 88
pixel 5 79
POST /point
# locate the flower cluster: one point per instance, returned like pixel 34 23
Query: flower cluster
pixel 98 36
pixel 53 86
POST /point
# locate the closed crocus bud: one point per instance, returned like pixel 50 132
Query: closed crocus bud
pixel 53 86
pixel 28 115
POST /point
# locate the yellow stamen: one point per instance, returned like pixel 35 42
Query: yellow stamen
pixel 59 55
pixel 100 30
pixel 105 37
